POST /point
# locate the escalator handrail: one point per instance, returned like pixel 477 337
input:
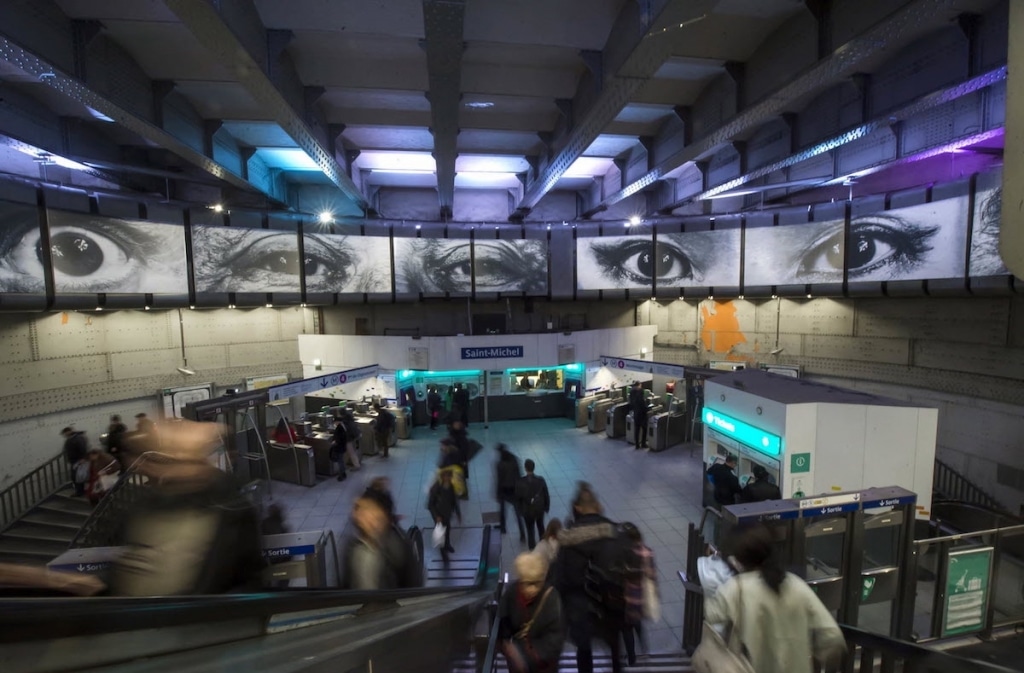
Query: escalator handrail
pixel 47 618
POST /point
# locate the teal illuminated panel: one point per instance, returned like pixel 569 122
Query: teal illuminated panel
pixel 744 433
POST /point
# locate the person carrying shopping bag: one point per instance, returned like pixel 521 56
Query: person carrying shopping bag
pixel 642 600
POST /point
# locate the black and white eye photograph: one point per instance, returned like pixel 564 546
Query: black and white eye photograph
pixel 793 254
pixel 926 241
pixel 616 262
pixel 231 259
pixel 21 261
pixel 985 259
pixel 433 265
pixel 511 266
pixel 339 263
pixel 91 253
pixel 698 258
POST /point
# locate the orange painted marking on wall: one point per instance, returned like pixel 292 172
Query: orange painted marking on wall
pixel 720 328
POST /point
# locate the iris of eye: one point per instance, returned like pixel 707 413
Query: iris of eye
pixel 73 254
pixel 862 251
pixel 662 264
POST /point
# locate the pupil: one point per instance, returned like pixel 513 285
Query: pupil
pixel 645 264
pixel 74 254
pixel 667 259
pixel 285 262
pixel 863 252
pixel 311 266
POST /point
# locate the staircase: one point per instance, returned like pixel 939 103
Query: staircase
pixel 654 663
pixel 46 531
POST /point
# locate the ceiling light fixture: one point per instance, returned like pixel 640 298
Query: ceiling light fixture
pixel 325 217
pixel 270 306
pixel 217 208
pixel 479 105
pixel 635 220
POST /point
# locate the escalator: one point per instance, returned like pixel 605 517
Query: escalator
pixel 416 630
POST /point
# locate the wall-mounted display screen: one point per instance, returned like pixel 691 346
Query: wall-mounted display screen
pixel 698 258
pixel 912 243
pixel 511 266
pixel 793 254
pixel 612 262
pixel 21 258
pixel 339 263
pixel 433 265
pixel 101 254
pixel 985 259
pixel 229 259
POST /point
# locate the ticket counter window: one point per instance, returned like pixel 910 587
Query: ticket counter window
pixel 521 382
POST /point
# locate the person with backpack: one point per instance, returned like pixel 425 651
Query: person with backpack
pixel 508 475
pixel 594 556
pixel 382 430
pixel 534 502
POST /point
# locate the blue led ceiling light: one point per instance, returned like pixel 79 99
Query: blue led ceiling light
pixel 755 438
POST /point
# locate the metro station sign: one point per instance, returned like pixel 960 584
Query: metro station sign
pixel 747 434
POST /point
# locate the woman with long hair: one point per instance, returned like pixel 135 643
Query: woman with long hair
pixel 779 623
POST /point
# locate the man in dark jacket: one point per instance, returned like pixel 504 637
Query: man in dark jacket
pixel 442 503
pixel 460 399
pixel 338 447
pixel 590 542
pixel 115 440
pixel 638 405
pixel 534 502
pixel 460 439
pixel 507 478
pixel 378 556
pixel 382 429
pixel 435 406
pixel 760 488
pixel 725 481
pixel 76 446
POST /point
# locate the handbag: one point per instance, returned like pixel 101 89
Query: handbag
pixel 714 655
pixel 652 606
pixel 438 537
pixel 83 470
pixel 524 630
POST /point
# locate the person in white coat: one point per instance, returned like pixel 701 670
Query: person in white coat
pixel 781 625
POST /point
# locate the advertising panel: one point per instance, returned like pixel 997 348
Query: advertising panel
pixel 91 253
pixel 231 259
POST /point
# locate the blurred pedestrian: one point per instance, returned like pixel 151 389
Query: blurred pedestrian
pixel 443 503
pixel 115 440
pixel 378 556
pixel 778 621
pixel 338 448
pixel 460 402
pixel 641 594
pixel 534 502
pixel 548 545
pixel 435 406
pixel 103 473
pixel 508 475
pixel 76 446
pixel 531 627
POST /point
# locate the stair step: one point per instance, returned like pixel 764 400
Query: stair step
pixel 24 559
pixel 42 548
pixel 72 522
pixel 34 531
pixel 62 503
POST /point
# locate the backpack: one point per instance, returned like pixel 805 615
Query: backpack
pixel 605 579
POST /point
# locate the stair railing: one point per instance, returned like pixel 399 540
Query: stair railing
pixel 22 496
pixel 954 486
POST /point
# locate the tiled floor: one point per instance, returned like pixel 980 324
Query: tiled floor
pixel 659 492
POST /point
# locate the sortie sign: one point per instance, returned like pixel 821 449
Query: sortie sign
pixel 488 352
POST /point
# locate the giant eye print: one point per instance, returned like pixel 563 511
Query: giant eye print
pixel 433 265
pixel 356 264
pixel 798 253
pixel 511 266
pixel 246 260
pixel 609 262
pixel 102 254
pixel 21 265
pixel 985 259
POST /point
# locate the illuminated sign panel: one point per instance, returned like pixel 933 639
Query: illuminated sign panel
pixel 745 433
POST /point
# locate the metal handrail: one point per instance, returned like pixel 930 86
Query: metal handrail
pixel 956 537
pixel 22 496
pixel 24 619
pixel 955 486
pixel 490 663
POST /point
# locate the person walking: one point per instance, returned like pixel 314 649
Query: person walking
pixel 593 555
pixel 435 406
pixel 534 502
pixel 339 447
pixel 443 503
pixel 115 440
pixel 76 446
pixel 778 621
pixel 382 429
pixel 378 556
pixel 508 475
pixel 641 592
pixel 548 545
pixel 638 405
pixel 530 627
pixel 460 399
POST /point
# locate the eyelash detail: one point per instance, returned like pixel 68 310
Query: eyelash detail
pixel 617 262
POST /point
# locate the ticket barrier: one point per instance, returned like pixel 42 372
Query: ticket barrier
pixel 296 559
pixel 855 549
pixel 597 414
pixel 652 410
pixel 582 408
pixel 665 430
pixel 403 422
pixel 615 426
pixel 294 463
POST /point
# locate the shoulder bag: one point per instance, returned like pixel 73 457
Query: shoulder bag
pixel 714 655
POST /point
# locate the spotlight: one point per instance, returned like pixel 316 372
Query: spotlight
pixel 775 296
pixel 635 220
pixel 99 308
pixel 146 308
pixel 711 297
pixel 418 227
pixel 270 306
pixel 192 307
pixel 231 305
pixel 217 208
pixel 740 297
pixel 549 227
pixel 186 371
pixel 808 296
pixel 325 217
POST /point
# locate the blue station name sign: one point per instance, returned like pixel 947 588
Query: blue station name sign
pixel 488 352
pixel 744 433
